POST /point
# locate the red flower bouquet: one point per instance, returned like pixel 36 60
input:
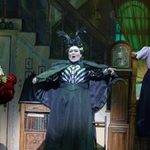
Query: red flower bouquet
pixel 7 91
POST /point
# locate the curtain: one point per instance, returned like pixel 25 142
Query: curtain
pixel 134 20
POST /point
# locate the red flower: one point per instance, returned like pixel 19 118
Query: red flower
pixel 7 89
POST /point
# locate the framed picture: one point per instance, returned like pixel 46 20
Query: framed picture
pixel 121 55
pixel 41 69
pixel 28 63
pixel 27 73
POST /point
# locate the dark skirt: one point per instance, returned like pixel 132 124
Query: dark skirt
pixel 70 123
pixel 143 108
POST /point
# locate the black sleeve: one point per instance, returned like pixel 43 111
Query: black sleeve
pixel 96 74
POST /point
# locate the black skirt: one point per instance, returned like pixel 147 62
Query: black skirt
pixel 143 108
pixel 70 121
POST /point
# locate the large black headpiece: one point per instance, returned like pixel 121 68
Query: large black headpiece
pixel 69 41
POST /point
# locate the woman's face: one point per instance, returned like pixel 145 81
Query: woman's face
pixel 74 54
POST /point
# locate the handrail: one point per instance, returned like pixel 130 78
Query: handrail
pixel 69 8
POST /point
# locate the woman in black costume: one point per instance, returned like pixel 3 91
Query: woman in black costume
pixel 76 90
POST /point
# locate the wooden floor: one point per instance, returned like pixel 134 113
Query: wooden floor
pixel 142 143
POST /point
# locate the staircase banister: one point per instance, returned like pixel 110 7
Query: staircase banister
pixel 71 10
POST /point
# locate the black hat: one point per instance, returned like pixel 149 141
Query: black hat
pixel 76 41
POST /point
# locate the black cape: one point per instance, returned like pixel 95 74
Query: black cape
pixel 99 90
pixel 72 107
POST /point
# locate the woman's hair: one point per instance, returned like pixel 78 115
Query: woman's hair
pixel 80 48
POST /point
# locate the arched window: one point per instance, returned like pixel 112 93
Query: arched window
pixel 133 22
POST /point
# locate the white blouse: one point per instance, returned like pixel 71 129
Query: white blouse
pixel 144 53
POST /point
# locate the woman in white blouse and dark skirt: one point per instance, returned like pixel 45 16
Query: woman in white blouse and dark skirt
pixel 143 107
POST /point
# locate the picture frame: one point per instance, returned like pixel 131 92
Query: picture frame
pixel 28 63
pixel 27 74
pixel 41 69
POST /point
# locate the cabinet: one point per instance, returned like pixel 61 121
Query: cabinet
pixel 33 124
pixel 121 130
pixel 118 130
pixel 119 127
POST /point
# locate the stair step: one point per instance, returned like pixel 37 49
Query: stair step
pixel 28 37
pixel 77 3
pixel 43 51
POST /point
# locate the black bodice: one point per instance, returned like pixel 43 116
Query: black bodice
pixel 74 74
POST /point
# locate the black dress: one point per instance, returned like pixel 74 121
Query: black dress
pixel 143 108
pixel 74 94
